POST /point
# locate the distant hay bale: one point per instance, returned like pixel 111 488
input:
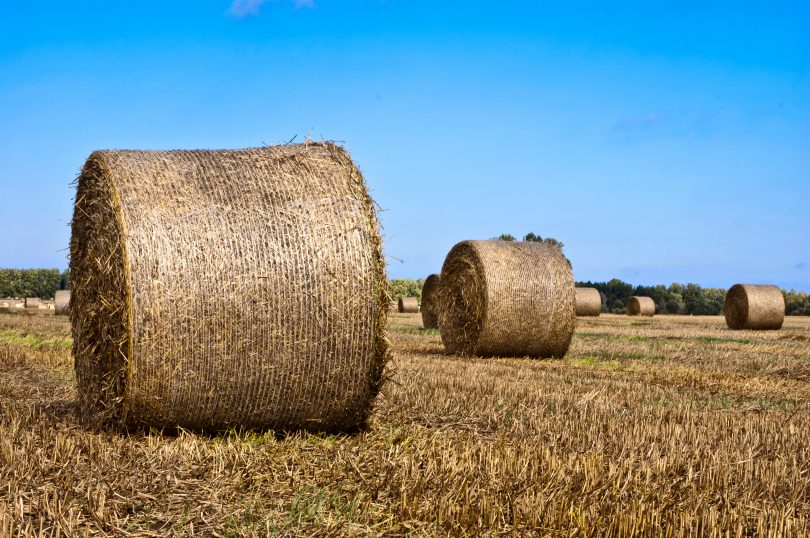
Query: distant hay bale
pixel 430 307
pixel 62 302
pixel 753 306
pixel 588 301
pixel 168 250
pixel 408 305
pixel 504 298
pixel 640 306
pixel 32 302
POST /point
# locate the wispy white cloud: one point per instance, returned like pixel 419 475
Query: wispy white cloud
pixel 661 124
pixel 247 8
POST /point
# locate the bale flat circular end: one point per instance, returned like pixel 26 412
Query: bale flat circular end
pixel 62 303
pixel 754 306
pixel 588 301
pixel 640 306
pixel 503 298
pixel 220 289
pixel 430 307
pixel 408 305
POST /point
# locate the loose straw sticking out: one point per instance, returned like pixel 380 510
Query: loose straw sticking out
pixel 504 298
pixel 430 307
pixel 62 302
pixel 589 302
pixel 753 306
pixel 220 289
pixel 408 305
pixel 640 306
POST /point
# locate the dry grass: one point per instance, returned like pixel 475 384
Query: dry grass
pixel 661 427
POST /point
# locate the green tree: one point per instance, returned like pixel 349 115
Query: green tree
pixel 532 237
pixel 797 303
pixel 695 300
pixel 406 287
pixel 29 282
pixel 615 294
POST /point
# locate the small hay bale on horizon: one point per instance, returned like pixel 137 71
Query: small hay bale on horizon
pixel 588 301
pixel 755 307
pixel 408 305
pixel 32 302
pixel 162 337
pixel 430 306
pixel 504 298
pixel 640 306
pixel 62 303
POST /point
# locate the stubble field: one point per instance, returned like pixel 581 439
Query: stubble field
pixel 670 426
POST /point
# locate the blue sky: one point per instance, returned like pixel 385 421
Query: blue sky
pixel 661 141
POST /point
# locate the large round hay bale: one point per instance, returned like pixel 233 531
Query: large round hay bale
pixel 62 302
pixel 408 305
pixel 219 289
pixel 32 302
pixel 504 298
pixel 754 306
pixel 588 301
pixel 640 306
pixel 430 306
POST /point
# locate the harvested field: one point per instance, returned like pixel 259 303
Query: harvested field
pixel 662 426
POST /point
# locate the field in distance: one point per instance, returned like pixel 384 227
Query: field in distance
pixel 664 426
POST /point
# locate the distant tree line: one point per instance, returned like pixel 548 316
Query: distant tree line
pixel 42 283
pixel 683 298
pixel 674 299
pixel 407 287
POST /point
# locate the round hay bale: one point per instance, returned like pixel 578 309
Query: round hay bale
pixel 640 306
pixel 62 302
pixel 754 306
pixel 504 298
pixel 32 302
pixel 589 301
pixel 430 310
pixel 408 305
pixel 162 335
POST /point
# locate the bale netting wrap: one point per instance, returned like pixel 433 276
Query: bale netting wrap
pixel 62 303
pixel 219 289
pixel 408 305
pixel 32 302
pixel 754 306
pixel 505 298
pixel 589 302
pixel 430 307
pixel 640 306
